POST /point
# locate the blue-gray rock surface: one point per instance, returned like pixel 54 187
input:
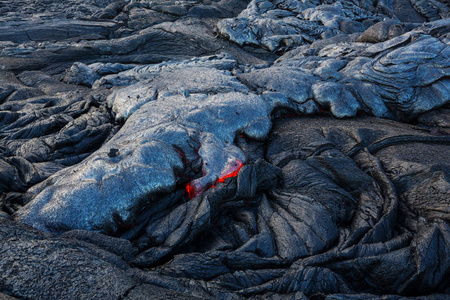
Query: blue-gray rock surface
pixel 264 149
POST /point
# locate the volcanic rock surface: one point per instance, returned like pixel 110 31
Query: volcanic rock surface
pixel 226 149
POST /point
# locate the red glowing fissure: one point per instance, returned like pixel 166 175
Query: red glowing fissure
pixel 192 192
pixel 232 174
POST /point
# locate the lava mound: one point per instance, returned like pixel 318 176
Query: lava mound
pixel 225 149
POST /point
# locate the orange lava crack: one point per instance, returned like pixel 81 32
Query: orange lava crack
pixel 234 172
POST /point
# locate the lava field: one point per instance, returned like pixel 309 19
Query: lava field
pixel 225 149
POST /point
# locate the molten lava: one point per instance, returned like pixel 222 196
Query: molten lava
pixel 190 190
pixel 232 172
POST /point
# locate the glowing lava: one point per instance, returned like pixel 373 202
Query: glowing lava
pixel 191 190
pixel 233 171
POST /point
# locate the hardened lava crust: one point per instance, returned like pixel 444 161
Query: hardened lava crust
pixel 225 149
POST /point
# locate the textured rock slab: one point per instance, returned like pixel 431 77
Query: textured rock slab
pixel 46 125
pixel 281 25
pixel 151 82
pixel 407 77
pixel 172 119
pixel 27 255
pixel 321 144
pixel 222 61
pixel 54 30
pixel 182 38
pixel 146 161
pixel 39 265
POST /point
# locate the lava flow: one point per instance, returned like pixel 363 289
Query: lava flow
pixel 232 172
